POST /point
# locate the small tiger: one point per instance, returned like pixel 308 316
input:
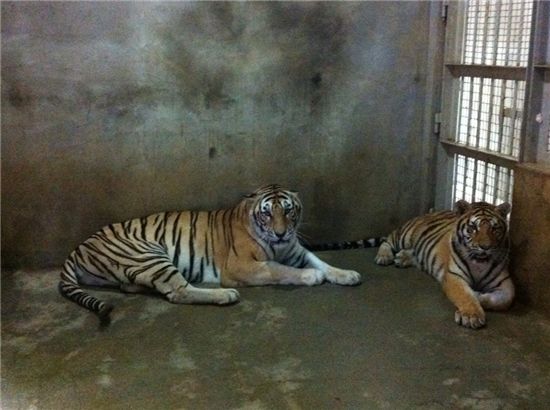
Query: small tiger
pixel 466 250
pixel 253 243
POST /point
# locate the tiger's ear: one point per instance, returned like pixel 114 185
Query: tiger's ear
pixel 461 206
pixel 504 208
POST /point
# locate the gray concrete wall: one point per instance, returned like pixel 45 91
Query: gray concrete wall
pixel 116 110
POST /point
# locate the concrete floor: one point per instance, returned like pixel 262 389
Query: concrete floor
pixel 389 343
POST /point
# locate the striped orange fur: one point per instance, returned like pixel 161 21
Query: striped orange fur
pixel 253 243
pixel 466 250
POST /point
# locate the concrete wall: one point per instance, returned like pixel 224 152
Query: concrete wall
pixel 116 110
pixel 530 233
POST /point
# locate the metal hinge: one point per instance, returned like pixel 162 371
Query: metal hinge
pixel 444 11
pixel 437 123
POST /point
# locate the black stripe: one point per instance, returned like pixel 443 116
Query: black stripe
pixel 231 237
pixel 160 228
pixel 191 243
pixel 177 243
pixel 493 269
pixel 212 223
pixel 165 226
pixel 201 275
pixel 94 248
pixel 463 262
pixel 162 265
pixel 83 265
pixel 425 246
pixel 206 247
pixel 498 284
pixel 439 229
pixel 143 222
pixel 100 266
pixel 460 276
pixel 174 272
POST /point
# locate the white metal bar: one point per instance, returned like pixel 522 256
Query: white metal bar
pixel 501 115
pixel 490 120
pixel 474 181
pixel 469 117
pixel 466 175
pixel 460 101
pixel 497 182
pixel 485 30
pixel 485 182
pixel 508 35
pixel 513 119
pixel 455 179
pixel 497 31
pixel 479 115
pixel 508 185
pixel 521 34
pixel 475 39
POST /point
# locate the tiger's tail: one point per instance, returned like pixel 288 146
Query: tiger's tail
pixel 361 243
pixel 71 289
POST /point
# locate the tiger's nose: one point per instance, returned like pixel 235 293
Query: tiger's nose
pixel 280 235
pixel 485 247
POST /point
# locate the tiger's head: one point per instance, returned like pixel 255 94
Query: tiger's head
pixel 275 213
pixel 482 228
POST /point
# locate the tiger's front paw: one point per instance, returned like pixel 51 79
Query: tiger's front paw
pixel 344 277
pixel 228 296
pixel 473 318
pixel 384 255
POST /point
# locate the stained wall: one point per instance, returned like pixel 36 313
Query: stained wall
pixel 115 110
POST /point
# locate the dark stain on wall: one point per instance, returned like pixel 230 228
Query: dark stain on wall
pixel 17 96
pixel 315 36
pixel 203 76
pixel 126 96
pixel 316 80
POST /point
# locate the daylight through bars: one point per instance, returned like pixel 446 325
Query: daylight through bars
pixel 476 180
pixel 497 32
pixel 490 114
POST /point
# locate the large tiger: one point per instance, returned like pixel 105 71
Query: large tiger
pixel 253 243
pixel 466 250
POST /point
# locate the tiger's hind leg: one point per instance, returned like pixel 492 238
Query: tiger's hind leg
pixel 167 280
pixel 404 258
pixel 385 254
